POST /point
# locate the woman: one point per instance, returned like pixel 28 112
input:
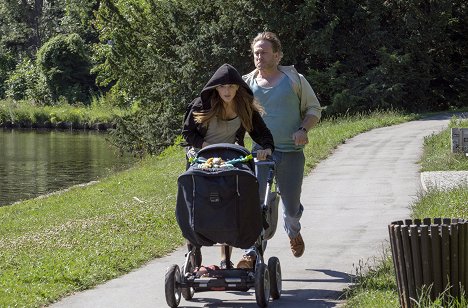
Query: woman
pixel 223 113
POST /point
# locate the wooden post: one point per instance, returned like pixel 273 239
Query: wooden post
pixel 436 260
pixel 401 267
pixel 466 258
pixel 426 258
pixel 445 238
pixel 408 261
pixel 461 258
pixel 455 282
pixel 399 279
pixel 416 254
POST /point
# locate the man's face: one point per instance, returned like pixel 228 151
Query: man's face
pixel 264 56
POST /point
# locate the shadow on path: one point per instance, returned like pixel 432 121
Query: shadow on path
pixel 289 298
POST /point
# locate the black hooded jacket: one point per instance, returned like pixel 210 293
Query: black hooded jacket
pixel 194 133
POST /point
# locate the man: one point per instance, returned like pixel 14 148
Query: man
pixel 292 109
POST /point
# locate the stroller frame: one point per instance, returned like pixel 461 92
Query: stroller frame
pixel 265 278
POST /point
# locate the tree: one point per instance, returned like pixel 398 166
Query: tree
pixel 64 60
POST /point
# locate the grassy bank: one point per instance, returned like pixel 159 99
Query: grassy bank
pixel 68 242
pixel 437 151
pixel 27 115
pixel 375 283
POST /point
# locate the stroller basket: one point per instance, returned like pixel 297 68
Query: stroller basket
pixel 219 203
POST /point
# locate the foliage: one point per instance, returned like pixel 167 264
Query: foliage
pixel 27 82
pixel 7 63
pixel 358 55
pixel 64 60
pixel 26 25
pixel 147 131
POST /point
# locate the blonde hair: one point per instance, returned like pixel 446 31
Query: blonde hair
pixel 245 105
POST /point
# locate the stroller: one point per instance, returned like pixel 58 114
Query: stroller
pixel 218 202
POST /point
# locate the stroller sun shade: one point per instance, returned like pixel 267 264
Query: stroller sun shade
pixel 220 205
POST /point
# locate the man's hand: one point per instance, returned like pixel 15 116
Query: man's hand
pixel 300 137
pixel 262 154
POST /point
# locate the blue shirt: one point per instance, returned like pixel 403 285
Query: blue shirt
pixel 283 116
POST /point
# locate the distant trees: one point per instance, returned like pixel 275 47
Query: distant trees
pixel 25 27
pixel 156 55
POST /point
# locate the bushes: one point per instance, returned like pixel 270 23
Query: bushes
pixel 148 131
pixel 26 82
pixel 65 62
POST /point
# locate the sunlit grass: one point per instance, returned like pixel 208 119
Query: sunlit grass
pixel 374 285
pixel 27 114
pixel 442 203
pixel 437 150
pixel 71 241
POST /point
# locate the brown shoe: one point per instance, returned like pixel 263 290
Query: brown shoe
pixel 297 245
pixel 246 262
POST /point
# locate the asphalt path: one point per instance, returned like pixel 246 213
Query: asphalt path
pixel 349 199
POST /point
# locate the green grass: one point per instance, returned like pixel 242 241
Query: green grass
pixel 26 114
pixel 442 203
pixel 68 242
pixel 369 291
pixel 375 285
pixel 53 246
pixel 437 151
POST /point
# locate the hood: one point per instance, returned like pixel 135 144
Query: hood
pixel 225 74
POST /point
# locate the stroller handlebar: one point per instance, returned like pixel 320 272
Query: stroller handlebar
pixel 268 161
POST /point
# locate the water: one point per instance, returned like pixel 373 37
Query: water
pixel 33 163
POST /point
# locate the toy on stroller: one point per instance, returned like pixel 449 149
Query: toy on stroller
pixel 218 202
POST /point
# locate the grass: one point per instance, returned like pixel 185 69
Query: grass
pixel 26 114
pixel 369 290
pixel 53 246
pixel 437 150
pixel 72 241
pixel 375 284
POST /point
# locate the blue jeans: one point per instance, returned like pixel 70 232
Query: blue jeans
pixel 289 172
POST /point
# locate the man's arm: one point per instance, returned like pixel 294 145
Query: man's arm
pixel 300 136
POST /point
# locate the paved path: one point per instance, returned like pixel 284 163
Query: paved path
pixel 350 198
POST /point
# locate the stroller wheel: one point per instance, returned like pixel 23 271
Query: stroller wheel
pixel 274 267
pixel 262 285
pixel 172 285
pixel 187 293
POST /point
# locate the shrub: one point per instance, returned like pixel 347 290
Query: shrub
pixel 65 62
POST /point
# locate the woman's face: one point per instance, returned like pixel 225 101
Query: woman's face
pixel 227 92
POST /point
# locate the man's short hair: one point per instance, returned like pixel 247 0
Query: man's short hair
pixel 272 38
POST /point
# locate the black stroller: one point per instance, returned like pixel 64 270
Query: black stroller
pixel 218 202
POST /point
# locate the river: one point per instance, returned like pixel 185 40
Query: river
pixel 35 162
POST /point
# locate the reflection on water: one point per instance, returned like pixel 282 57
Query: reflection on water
pixel 36 162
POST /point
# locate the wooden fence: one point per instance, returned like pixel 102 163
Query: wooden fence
pixel 429 255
